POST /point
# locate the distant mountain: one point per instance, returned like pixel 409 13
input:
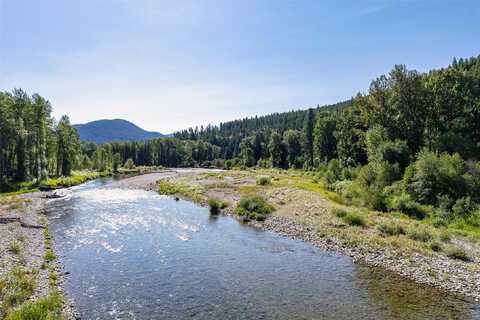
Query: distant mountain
pixel 101 131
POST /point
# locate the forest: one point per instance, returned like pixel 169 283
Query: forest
pixel 412 140
pixel 32 145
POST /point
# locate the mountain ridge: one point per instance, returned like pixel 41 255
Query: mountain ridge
pixel 107 130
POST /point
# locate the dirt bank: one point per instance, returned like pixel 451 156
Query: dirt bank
pixel 26 252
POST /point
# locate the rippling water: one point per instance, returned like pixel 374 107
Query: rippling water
pixel 134 254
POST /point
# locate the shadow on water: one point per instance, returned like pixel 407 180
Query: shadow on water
pixel 398 298
pixel 134 254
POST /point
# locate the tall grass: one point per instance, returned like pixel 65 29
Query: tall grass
pixel 354 219
pixel 216 205
pixel 254 207
pixel 264 180
pixel 16 287
pixel 419 233
pixel 46 308
pixel 390 228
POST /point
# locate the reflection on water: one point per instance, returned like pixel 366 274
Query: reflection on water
pixel 134 254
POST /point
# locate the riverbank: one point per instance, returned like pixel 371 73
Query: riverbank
pixel 442 258
pixel 28 260
pixel 302 212
pixel 30 275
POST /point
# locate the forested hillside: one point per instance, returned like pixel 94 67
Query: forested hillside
pixel 229 135
pixel 101 131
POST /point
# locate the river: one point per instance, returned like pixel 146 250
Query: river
pixel 134 254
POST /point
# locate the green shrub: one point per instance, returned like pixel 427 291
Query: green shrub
pixel 339 212
pixel 254 207
pixel 167 188
pixel 264 180
pixel 15 288
pixel 439 175
pixel 474 219
pixel 49 255
pixel 373 198
pixel 129 164
pixel 463 207
pixel 419 233
pixel 331 173
pixel 14 247
pixel 390 228
pixel 436 246
pixel 461 212
pixel 347 189
pixel 458 253
pixel 354 219
pixel 445 236
pixel 214 206
pixel 47 308
pixel 381 148
pixel 372 179
pixel 223 204
pixel 405 204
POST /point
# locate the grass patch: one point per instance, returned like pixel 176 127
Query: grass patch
pixel 308 184
pixel 419 233
pixel 264 180
pixel 216 205
pixel 73 180
pixel 47 308
pixel 14 247
pixel 16 287
pixel 390 228
pixel 166 187
pixel 436 246
pixel 354 219
pixel 248 189
pixel 49 255
pixel 219 185
pixel 457 253
pixel 11 201
pixel 254 207
pixel 340 213
pixel 76 178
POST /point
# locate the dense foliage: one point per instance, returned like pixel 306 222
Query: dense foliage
pixel 229 135
pixel 411 141
pixel 32 145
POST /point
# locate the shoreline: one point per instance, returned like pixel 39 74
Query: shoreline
pixel 434 270
pixel 464 283
pixel 25 224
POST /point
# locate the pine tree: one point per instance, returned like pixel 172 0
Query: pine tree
pixel 309 127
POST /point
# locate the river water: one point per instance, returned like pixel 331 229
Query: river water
pixel 134 254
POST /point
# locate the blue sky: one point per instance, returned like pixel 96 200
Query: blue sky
pixel 168 65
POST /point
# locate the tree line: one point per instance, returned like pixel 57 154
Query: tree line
pixel 32 145
pixel 413 139
pixel 35 147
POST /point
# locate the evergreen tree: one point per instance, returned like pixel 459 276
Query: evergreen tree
pixel 277 150
pixel 325 145
pixel 293 140
pixel 309 137
pixel 67 146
